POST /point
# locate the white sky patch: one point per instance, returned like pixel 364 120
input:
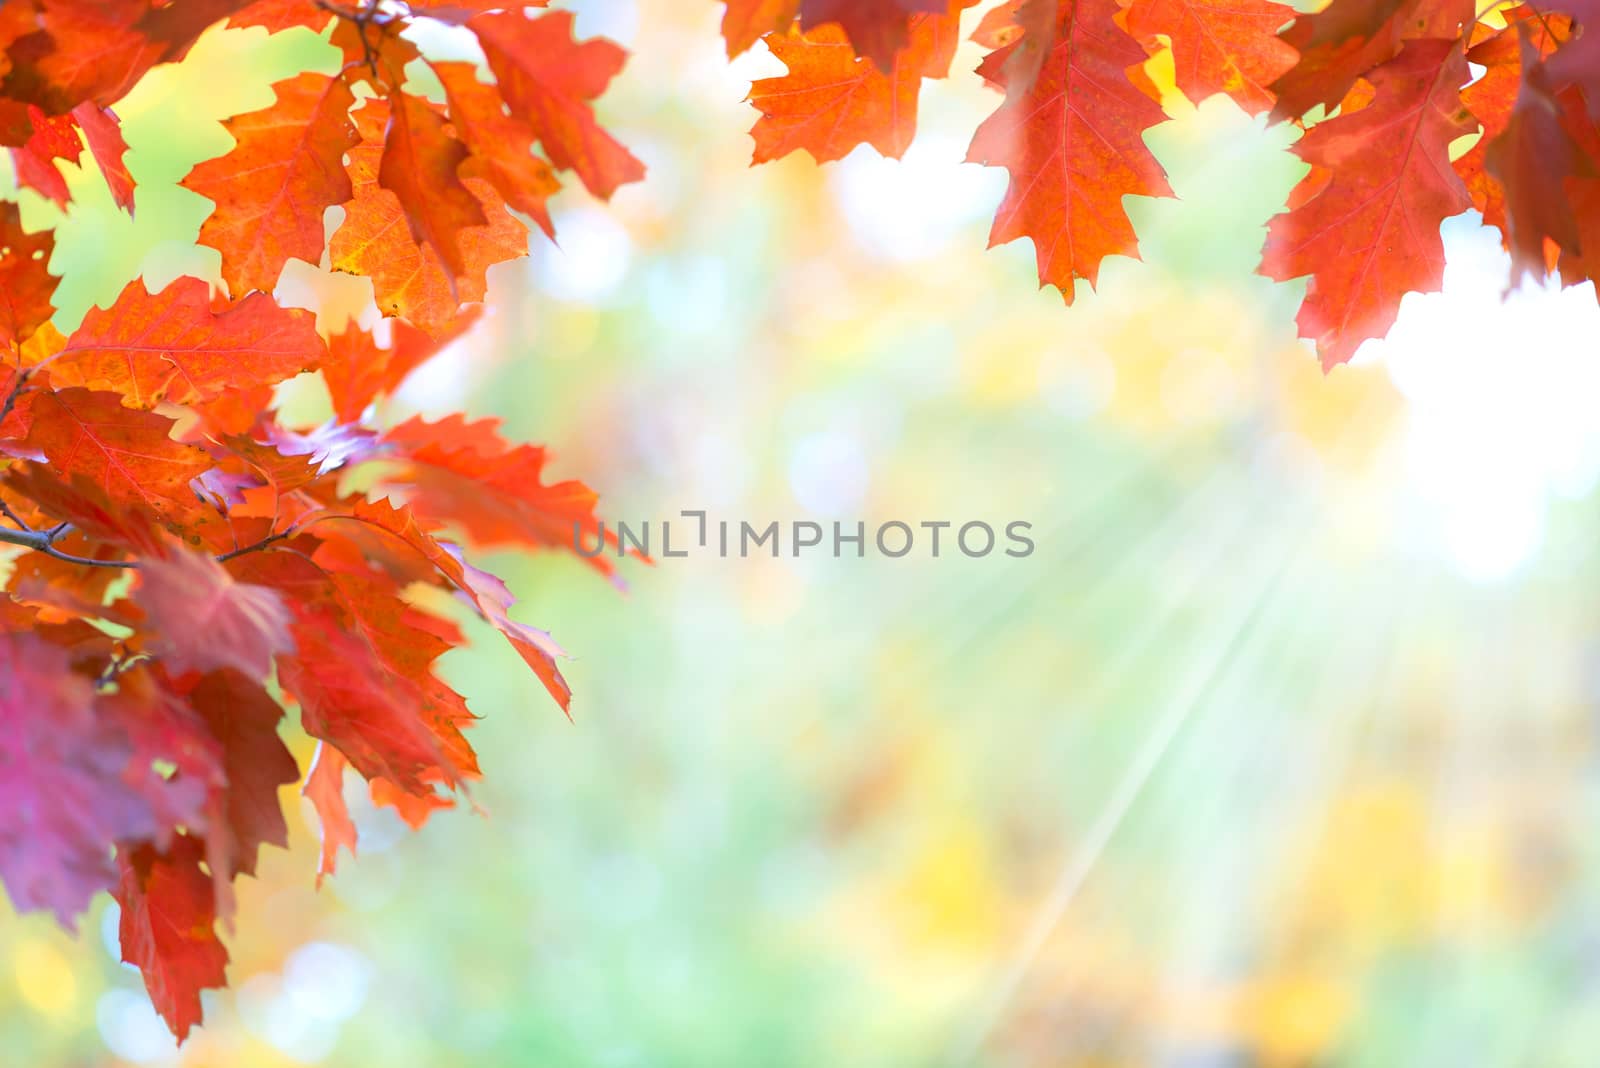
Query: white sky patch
pixel 1501 397
pixel 591 259
pixel 131 1029
pixel 909 209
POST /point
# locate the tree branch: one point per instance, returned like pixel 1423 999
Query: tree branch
pixel 42 541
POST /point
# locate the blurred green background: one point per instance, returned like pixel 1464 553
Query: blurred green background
pixel 1277 751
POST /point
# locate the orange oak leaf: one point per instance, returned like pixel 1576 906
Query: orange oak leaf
pixel 168 928
pixel 26 284
pixel 414 809
pixel 487 594
pixel 358 370
pixel 324 788
pixel 418 165
pixel 744 22
pixel 407 278
pixel 548 79
pixel 1000 25
pixel 831 100
pixel 375 52
pixel 272 190
pixel 501 142
pixel 1220 46
pixel 207 621
pixel 464 474
pixel 1020 34
pixel 276 15
pixel 173 346
pixel 102 131
pixel 1372 234
pixel 129 454
pixel 60 782
pixel 1073 143
pixel 538 649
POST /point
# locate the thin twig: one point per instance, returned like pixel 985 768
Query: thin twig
pixel 256 546
pixel 41 541
pixel 5 510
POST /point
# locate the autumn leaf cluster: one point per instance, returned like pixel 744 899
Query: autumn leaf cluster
pixel 184 566
pixel 1399 133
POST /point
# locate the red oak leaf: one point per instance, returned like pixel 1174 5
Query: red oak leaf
pixel 53 138
pixel 877 29
pixel 173 346
pixel 1492 98
pixel 61 782
pixel 102 130
pixel 1344 40
pixel 168 928
pixel 538 649
pixel 1372 234
pixel 1582 187
pixel 176 24
pixel 84 505
pixel 165 730
pixel 80 51
pixel 207 621
pixel 244 721
pixel 1073 142
pixel 459 11
pixel 1576 64
pixel 26 284
pixel 348 700
pixel 548 79
pixel 130 455
pixel 377 700
pixel 1533 159
pixel 271 192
